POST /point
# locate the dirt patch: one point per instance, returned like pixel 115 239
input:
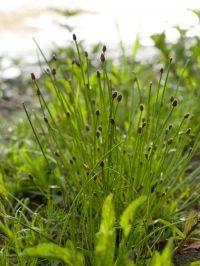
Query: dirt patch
pixel 186 257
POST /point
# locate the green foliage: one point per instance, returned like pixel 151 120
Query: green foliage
pixel 67 255
pixel 102 137
pixel 163 259
pixel 195 263
pixel 105 247
pixel 106 237
pixel 128 215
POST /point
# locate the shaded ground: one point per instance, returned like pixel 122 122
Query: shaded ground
pixel 187 257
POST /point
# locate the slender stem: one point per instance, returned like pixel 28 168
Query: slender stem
pixel 34 132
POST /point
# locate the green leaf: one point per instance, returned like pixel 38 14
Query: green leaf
pixel 52 251
pixel 129 214
pixel 3 191
pixel 136 46
pixel 105 246
pixel 108 215
pixel 5 229
pixel 172 227
pixel 194 263
pixel 163 259
pixel 160 43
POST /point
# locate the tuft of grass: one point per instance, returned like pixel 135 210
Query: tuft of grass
pixel 103 178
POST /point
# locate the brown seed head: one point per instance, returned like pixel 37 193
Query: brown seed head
pixel 112 121
pixel 174 103
pixel 97 112
pixel 104 49
pixel 101 163
pixel 119 98
pixel 139 130
pixel 57 154
pixel 114 94
pixel 188 131
pixel 46 120
pixel 169 142
pixel 86 54
pixel 53 71
pixel 74 37
pixel 100 128
pixel 87 127
pixel 76 62
pixel 187 115
pixel 144 124
pixel 102 58
pixel 98 74
pixel 33 76
pixel 141 107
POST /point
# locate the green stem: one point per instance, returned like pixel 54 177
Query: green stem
pixel 35 134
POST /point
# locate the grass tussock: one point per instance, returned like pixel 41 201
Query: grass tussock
pixel 99 173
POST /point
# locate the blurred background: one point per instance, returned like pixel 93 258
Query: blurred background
pixel 52 23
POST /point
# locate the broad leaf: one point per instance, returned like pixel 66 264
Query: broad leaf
pixel 53 251
pixel 105 246
pixel 129 215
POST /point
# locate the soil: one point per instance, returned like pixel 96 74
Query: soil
pixel 189 256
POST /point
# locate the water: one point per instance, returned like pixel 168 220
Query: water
pixel 22 20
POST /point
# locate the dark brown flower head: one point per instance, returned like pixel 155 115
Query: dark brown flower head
pixel 188 131
pixel 169 142
pixel 74 37
pixel 46 120
pixel 174 103
pixel 102 58
pixel 139 130
pixel 144 124
pixel 53 71
pixel 98 74
pixel 57 154
pixel 114 94
pixel 97 134
pixel 76 62
pixel 100 128
pixel 112 121
pixel 33 76
pixel 86 54
pixel 141 107
pixel 119 98
pixel 187 115
pixel 97 112
pixel 87 127
pixel 101 163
